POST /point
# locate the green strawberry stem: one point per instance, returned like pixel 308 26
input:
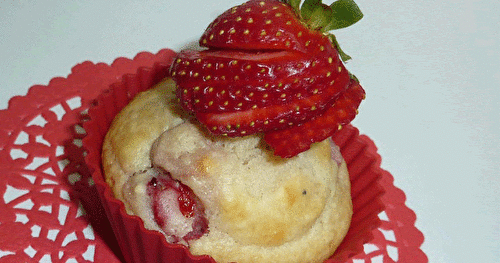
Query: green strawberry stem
pixel 319 16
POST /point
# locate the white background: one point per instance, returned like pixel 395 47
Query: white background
pixel 431 70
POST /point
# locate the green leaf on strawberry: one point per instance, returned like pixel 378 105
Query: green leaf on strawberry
pixel 319 16
pixel 345 13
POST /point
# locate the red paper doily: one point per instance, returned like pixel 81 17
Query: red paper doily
pixel 50 212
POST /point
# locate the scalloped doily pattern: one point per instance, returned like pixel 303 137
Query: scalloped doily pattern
pixel 51 212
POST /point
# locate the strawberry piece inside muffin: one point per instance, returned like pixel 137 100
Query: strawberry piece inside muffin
pixel 176 209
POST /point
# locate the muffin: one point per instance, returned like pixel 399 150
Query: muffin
pixel 230 198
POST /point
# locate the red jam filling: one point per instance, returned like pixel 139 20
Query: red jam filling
pixel 188 214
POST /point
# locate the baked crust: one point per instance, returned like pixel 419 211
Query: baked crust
pixel 260 208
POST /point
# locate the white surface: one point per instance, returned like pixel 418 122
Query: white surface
pixel 431 70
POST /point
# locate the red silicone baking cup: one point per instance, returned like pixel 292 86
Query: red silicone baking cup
pixel 141 245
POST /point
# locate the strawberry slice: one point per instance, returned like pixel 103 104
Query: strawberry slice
pixel 290 142
pixel 259 25
pixel 277 116
pixel 220 81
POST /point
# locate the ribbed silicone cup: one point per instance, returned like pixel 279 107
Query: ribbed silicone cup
pixel 138 244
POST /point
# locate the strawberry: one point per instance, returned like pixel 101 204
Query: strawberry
pixel 264 69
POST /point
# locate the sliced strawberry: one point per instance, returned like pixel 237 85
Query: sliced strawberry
pixel 277 116
pixel 259 25
pixel 220 81
pixel 269 68
pixel 290 142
